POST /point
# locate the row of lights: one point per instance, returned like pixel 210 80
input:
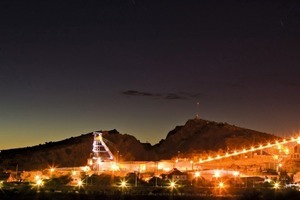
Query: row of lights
pixel 260 147
pixel 172 184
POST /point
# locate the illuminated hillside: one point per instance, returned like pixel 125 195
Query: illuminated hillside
pixel 196 136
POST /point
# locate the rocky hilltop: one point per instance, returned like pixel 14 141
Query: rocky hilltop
pixel 196 136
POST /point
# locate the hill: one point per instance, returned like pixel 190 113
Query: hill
pixel 195 136
pixel 199 135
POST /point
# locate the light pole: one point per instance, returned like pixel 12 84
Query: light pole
pixel 123 185
pixel 276 186
pixel 221 187
pixel 197 175
pixel 39 183
pixel 172 187
pixel 135 184
pixel 235 174
pixel 156 169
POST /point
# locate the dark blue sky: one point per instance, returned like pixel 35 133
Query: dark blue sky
pixel 72 67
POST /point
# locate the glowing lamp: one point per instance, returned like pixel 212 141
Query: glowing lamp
pixel 217 174
pixel 221 185
pixel 276 185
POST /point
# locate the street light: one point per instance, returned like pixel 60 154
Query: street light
pixel 197 175
pixel 123 185
pixel 221 185
pixel 39 183
pixel 52 169
pixel 217 174
pixel 80 184
pixel 172 186
pixel 235 173
pixel 276 185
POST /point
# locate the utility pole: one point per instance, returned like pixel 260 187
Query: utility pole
pixel 197 110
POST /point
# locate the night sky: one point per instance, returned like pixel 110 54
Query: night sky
pixel 72 67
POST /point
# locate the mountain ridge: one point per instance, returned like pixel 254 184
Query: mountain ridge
pixel 196 136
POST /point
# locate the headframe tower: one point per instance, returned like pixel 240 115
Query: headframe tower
pixel 101 152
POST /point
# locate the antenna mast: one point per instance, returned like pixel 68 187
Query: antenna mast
pixel 197 110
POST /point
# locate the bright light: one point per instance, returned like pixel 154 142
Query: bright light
pixel 287 151
pixel 269 144
pixel 123 184
pixel 114 167
pixel 197 174
pixel 276 144
pixel 276 185
pixel 268 180
pixel 160 166
pixel 80 183
pixel 172 185
pixel 52 169
pixel 86 168
pixel 235 173
pixel 217 174
pixel 90 162
pixel 142 167
pixel 98 138
pixel 221 185
pixel 166 169
pixel 39 182
pixel 74 173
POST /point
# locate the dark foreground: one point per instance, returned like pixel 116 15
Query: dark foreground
pixel 246 195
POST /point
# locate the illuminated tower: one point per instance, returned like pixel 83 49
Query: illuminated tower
pixel 101 159
pixel 100 150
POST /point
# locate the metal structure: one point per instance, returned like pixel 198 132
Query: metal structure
pixel 101 153
pixel 100 150
pixel 278 145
